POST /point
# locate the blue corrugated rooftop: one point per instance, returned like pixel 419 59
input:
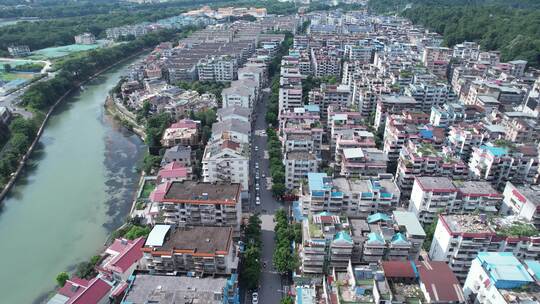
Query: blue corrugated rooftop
pixel 496 151
pixel 316 182
pixel 504 269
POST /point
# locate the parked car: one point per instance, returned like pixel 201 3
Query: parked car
pixel 258 201
pixel 255 298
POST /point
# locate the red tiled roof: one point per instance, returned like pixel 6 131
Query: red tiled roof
pixel 92 294
pixel 159 193
pixel 440 282
pixel 131 255
pixel 73 286
pixel 398 269
pixel 173 170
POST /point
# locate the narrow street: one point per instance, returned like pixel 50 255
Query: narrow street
pixel 270 284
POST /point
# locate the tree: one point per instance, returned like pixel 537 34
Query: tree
pixel 7 67
pixel 61 278
pixel 430 231
pixel 278 189
pixel 137 232
pixel 287 300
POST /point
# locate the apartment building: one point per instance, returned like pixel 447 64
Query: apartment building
pixel 523 202
pixel 202 251
pixel 499 277
pixel 326 243
pixel 459 238
pixel 436 59
pixel 499 164
pixel 433 195
pixel 390 104
pixel 234 112
pixel 363 197
pixel 297 166
pixel 221 68
pixel 467 50
pixel 290 96
pixel 19 50
pixel 362 162
pixel 303 117
pixel 422 159
pixel 241 93
pixel 226 161
pixel 462 138
pixel 454 113
pixel 85 38
pixel 430 94
pixel 191 203
pixel 232 129
pixel 326 61
pixel 145 288
pixel 300 139
pixel 396 238
pixel 326 95
pixel 356 198
pixel 408 126
pixel 349 139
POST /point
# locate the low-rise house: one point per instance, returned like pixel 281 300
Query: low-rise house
pixel 202 251
pixel 178 153
pixel 174 172
pixel 122 259
pixel 81 291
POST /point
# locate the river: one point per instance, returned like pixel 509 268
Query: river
pixel 77 187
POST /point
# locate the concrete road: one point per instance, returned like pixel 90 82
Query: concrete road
pixel 270 284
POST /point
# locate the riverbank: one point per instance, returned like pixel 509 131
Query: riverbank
pixel 26 156
pixel 122 114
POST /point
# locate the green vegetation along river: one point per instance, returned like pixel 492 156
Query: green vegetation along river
pixel 77 187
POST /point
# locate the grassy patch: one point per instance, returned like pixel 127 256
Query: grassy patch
pixel 148 187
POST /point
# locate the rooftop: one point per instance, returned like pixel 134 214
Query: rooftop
pixel 410 222
pixel 440 282
pixel 192 191
pixel 435 184
pixel 173 289
pixel 476 188
pixel 199 239
pixel 504 269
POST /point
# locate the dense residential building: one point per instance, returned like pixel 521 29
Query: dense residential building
pixel 433 195
pixel 85 38
pixel 204 251
pixel 362 162
pixel 226 161
pixel 19 50
pixel 499 164
pixel 326 243
pixel 522 201
pixel 422 159
pixel 165 289
pixel 297 166
pixel 459 238
pixel 357 198
pixel 191 203
pixel 499 277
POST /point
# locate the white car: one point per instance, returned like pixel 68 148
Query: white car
pixel 256 148
pixel 255 298
pixel 257 187
pixel 256 165
pixel 258 201
pixel 263 175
